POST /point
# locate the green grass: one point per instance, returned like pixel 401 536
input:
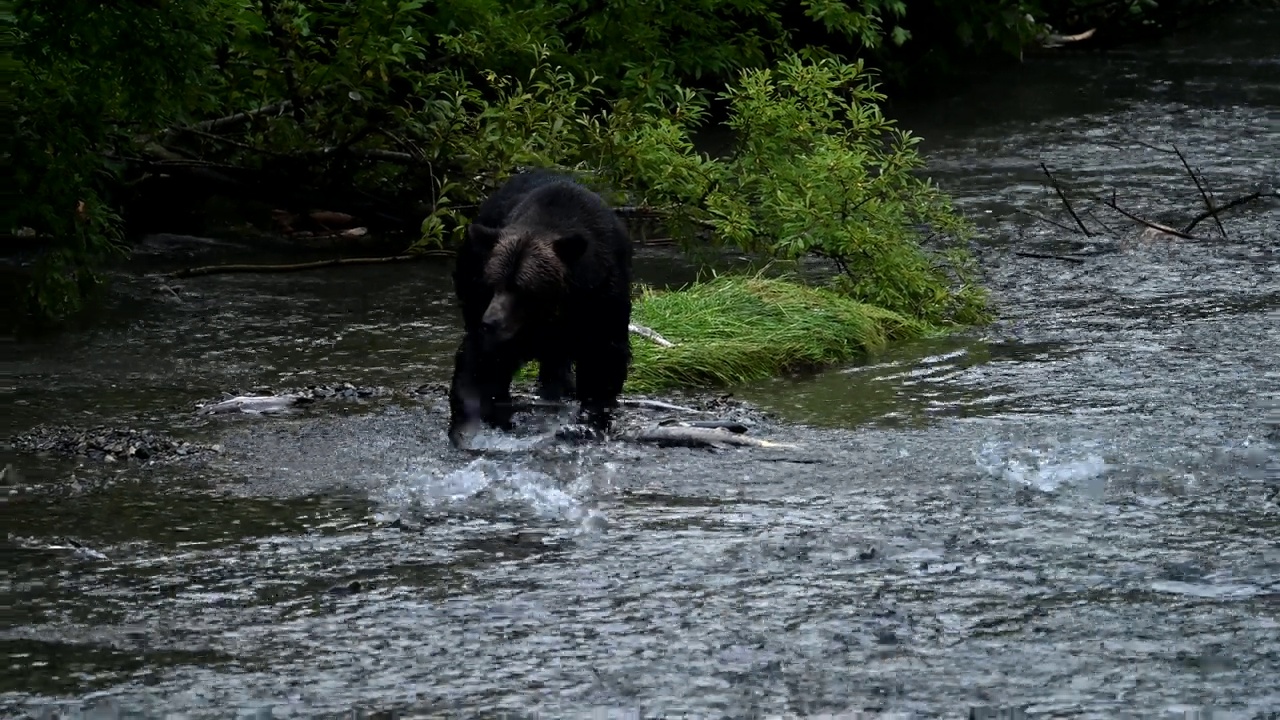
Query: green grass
pixel 735 329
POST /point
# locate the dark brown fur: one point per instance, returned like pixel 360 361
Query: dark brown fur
pixel 545 274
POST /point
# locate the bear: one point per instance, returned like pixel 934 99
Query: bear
pixel 544 274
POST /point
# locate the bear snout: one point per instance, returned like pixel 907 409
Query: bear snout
pixel 500 321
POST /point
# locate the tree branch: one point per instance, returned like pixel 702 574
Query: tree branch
pixel 217 124
pixel 1154 226
pixel 1065 201
pixel 296 267
pixel 1204 195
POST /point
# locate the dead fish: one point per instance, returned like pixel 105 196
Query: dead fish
pixel 651 334
pixel 257 404
pixel 667 436
pixel 78 549
pixel 730 425
pixel 654 405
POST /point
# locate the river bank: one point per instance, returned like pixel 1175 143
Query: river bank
pixel 1072 510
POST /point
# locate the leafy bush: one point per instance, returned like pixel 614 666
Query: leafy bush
pixel 399 110
pixel 86 87
pixel 817 170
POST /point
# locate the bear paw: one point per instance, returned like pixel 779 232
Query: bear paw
pixel 579 432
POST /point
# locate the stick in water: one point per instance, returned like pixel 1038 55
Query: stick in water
pixel 700 437
pixel 524 401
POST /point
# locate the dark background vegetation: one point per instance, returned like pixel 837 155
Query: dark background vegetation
pixel 125 117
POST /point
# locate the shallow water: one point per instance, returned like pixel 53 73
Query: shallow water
pixel 1073 510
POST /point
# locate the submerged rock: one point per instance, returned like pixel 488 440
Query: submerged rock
pixel 109 444
pixel 340 391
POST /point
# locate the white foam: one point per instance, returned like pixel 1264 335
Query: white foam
pixel 1205 590
pixel 1046 467
pixel 488 481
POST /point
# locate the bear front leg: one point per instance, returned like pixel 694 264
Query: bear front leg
pixel 468 401
pixel 555 378
pixel 602 371
pixel 479 392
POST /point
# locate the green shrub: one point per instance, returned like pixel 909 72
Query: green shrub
pixel 424 106
pixel 735 329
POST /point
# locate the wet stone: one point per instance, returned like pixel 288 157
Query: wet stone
pixel 341 390
pixel 346 391
pixel 107 444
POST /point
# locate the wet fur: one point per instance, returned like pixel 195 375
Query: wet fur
pixel 561 258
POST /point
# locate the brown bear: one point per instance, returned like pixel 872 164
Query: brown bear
pixel 544 274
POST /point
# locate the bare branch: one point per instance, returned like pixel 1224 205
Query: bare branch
pixel 1051 222
pixel 1065 201
pixel 390 156
pixel 1203 194
pixel 217 124
pixel 228 141
pixel 1212 212
pixel 1146 145
pixel 277 37
pixel 1154 226
pixel 1099 221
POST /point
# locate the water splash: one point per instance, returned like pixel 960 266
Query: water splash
pixel 563 492
pixel 1046 466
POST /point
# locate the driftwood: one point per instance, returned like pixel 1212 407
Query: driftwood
pixel 296 267
pixel 690 436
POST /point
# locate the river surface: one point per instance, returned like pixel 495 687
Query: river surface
pixel 1072 511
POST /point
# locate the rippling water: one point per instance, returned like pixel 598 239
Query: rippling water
pixel 1073 510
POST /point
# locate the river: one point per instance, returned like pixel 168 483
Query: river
pixel 1073 511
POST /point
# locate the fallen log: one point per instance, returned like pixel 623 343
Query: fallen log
pixel 297 267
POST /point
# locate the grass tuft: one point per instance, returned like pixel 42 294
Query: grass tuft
pixel 737 328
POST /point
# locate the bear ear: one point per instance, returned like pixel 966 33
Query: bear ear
pixel 569 247
pixel 483 235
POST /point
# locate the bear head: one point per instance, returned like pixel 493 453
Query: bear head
pixel 528 271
